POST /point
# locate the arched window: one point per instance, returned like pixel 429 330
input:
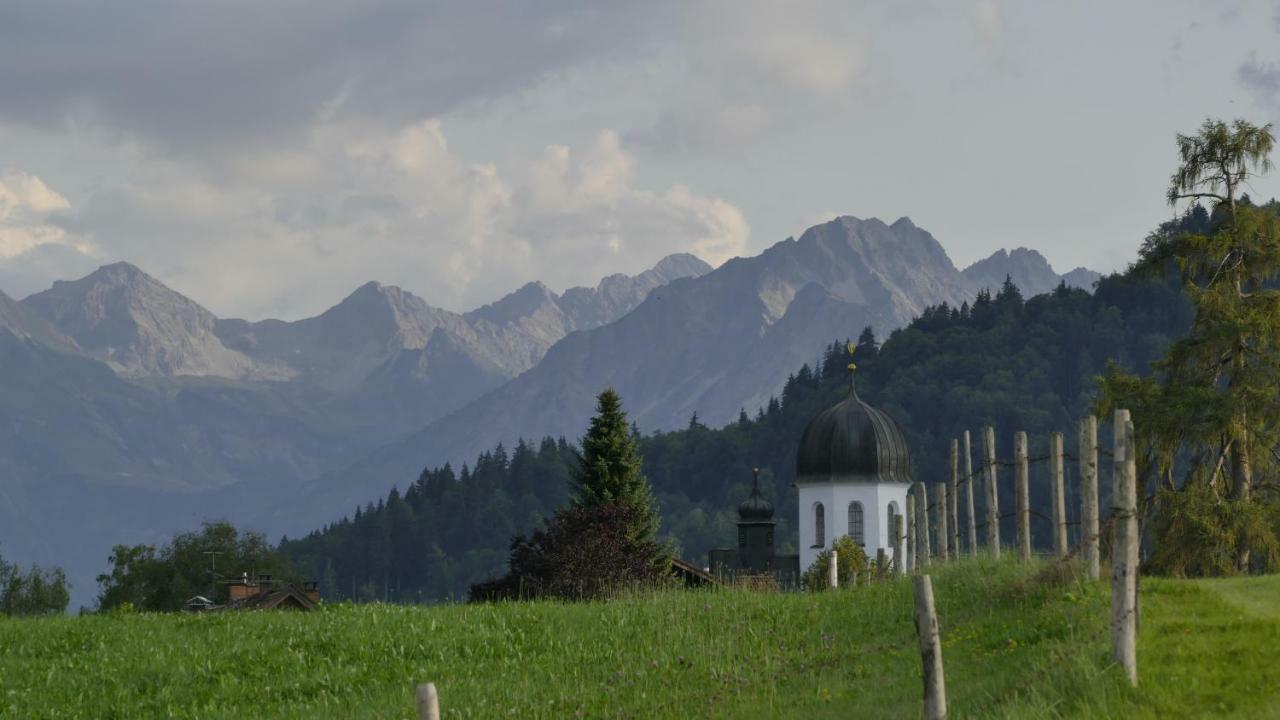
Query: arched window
pixel 819 526
pixel 855 524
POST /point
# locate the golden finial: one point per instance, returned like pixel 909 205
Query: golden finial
pixel 850 347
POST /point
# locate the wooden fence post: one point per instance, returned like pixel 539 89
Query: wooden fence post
pixel 1124 554
pixel 941 505
pixel 924 549
pixel 1057 489
pixel 1089 494
pixel 993 495
pixel 898 567
pixel 953 498
pixel 910 520
pixel 968 495
pixel 1022 488
pixel 833 568
pixel 935 686
pixel 428 702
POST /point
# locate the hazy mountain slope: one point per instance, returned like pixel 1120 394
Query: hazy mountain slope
pixel 159 439
pixel 89 459
pixel 713 344
pixel 1082 278
pixel 1028 269
pixel 24 323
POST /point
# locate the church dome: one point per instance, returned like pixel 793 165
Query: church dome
pixel 852 441
pixel 755 508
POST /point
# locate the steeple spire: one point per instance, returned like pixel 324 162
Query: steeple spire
pixel 755 508
pixel 850 347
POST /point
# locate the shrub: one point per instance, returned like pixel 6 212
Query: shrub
pixel 850 558
pixel 582 553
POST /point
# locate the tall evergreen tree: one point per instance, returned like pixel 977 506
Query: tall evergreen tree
pixel 609 472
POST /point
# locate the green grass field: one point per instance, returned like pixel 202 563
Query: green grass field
pixel 1013 646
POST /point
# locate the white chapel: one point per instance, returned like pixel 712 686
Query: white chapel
pixel 853 471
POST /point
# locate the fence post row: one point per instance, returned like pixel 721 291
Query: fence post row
pixel 923 549
pixel 1089 494
pixel 935 688
pixel 993 497
pixel 897 545
pixel 1124 556
pixel 953 490
pixel 968 494
pixel 1022 490
pixel 1057 492
pixel 940 503
pixel 910 520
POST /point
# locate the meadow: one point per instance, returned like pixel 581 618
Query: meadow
pixel 1015 645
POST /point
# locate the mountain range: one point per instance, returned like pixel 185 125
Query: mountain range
pixel 132 411
pixel 712 345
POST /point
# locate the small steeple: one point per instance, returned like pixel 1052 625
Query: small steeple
pixel 850 348
pixel 755 508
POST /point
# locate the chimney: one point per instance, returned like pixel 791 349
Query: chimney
pixel 311 589
pixel 241 588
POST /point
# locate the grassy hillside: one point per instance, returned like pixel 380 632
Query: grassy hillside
pixel 1013 647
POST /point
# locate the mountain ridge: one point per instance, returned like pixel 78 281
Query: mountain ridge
pixel 711 344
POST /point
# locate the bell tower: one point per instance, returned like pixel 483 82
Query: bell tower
pixel 755 531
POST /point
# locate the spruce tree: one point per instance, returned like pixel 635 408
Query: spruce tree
pixel 609 471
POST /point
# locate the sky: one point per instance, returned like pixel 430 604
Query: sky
pixel 266 159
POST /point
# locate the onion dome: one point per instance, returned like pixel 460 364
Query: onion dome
pixel 853 442
pixel 755 508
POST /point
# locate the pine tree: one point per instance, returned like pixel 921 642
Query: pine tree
pixel 609 471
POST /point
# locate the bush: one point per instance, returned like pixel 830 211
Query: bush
pixel 582 553
pixel 851 558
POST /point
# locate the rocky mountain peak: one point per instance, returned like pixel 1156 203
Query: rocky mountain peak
pixel 524 302
pixel 137 325
pixel 1028 269
pixel 678 265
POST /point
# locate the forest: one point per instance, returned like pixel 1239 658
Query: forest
pixel 1016 363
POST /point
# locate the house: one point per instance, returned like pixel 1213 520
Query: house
pixel 265 594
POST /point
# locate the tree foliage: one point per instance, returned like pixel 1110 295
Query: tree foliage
pixel 35 591
pixel 194 563
pixel 605 541
pixel 581 553
pixel 609 471
pixel 1211 411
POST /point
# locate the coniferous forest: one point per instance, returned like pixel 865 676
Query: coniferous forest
pixel 1008 361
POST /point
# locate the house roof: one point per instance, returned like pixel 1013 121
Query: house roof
pixel 281 598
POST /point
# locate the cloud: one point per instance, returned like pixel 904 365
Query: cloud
pixel 26 208
pixel 988 15
pixel 1262 80
pixel 289 233
pixel 197 78
pixel 762 66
